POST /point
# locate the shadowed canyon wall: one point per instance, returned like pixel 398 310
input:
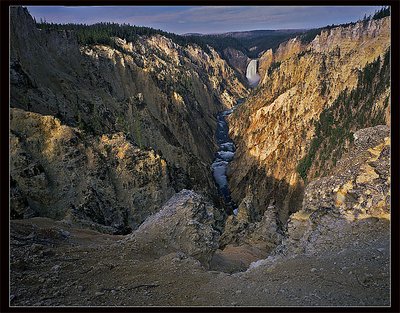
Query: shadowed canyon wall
pixel 161 96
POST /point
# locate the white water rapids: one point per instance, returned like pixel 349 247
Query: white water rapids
pixel 226 151
pixel 223 156
pixel 251 73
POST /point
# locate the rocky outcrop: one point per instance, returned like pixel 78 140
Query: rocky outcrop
pixel 186 223
pixel 237 60
pixel 247 236
pixel 104 182
pixel 162 95
pixel 358 189
pixel 285 50
pixel 249 227
pixel 273 129
pixel 264 62
pixel 330 39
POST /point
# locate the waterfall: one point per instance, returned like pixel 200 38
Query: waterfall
pixel 251 73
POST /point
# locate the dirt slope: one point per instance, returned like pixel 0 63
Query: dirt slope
pixel 54 264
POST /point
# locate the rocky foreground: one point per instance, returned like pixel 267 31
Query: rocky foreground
pixel 54 264
pixel 333 252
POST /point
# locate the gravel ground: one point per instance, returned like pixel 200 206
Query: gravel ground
pixel 55 264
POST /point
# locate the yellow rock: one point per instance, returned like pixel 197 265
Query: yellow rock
pixel 368 174
pixel 341 194
pixel 340 197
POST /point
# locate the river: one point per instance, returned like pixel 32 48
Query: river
pixel 226 147
pixel 224 155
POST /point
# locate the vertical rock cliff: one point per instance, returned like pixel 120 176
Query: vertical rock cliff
pixel 303 93
pixel 161 96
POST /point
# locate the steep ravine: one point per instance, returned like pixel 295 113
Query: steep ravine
pixel 134 174
pixel 162 96
pixel 224 155
pixel 226 147
pixel 332 255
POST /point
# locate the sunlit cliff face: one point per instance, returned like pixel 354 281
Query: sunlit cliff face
pixel 273 128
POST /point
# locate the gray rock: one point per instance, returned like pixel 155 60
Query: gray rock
pixel 357 189
pixel 36 247
pixel 165 231
pixel 65 234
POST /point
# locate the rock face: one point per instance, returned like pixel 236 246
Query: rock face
pixel 273 129
pixel 186 223
pixel 248 228
pixel 285 51
pixel 264 62
pixel 105 182
pixel 237 60
pixel 350 200
pixel 358 189
pixel 162 95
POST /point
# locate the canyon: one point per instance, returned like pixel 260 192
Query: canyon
pixel 152 173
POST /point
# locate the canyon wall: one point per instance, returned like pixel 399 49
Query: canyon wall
pixel 356 191
pixel 103 182
pixel 303 94
pixel 237 60
pixel 161 96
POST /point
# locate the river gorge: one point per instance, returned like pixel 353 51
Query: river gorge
pixel 223 156
pixel 148 168
pixel 226 150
